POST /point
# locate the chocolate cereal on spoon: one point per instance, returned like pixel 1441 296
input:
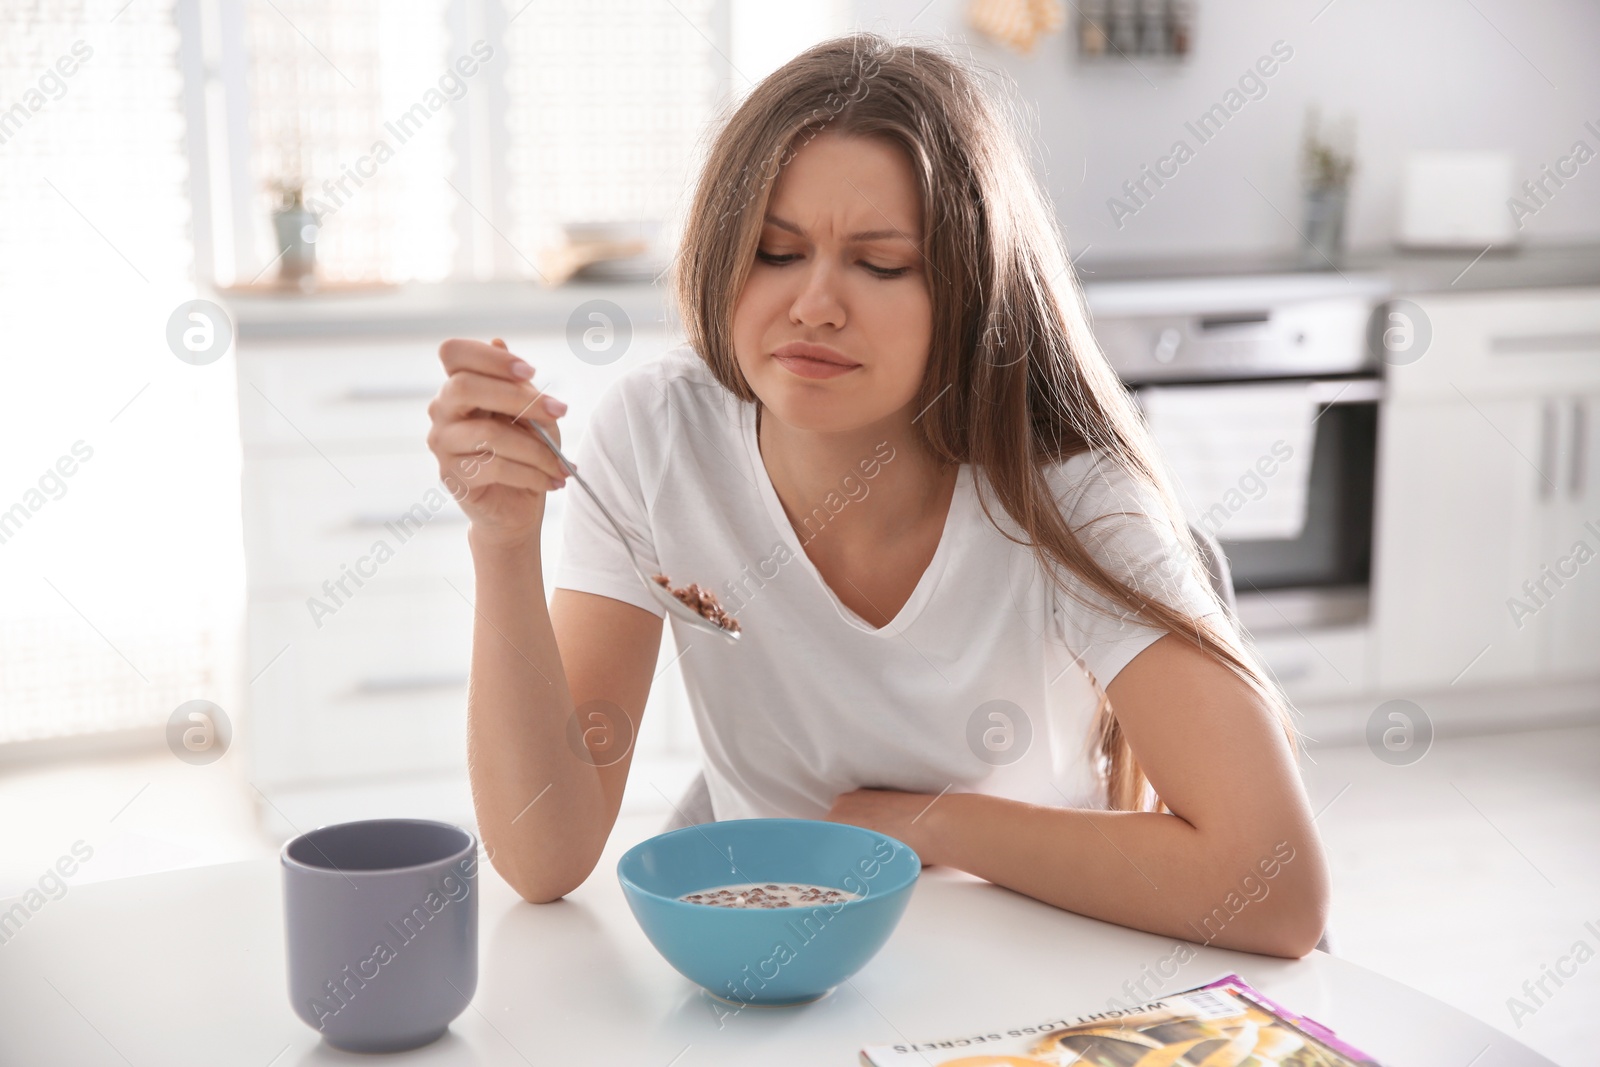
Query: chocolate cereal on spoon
pixel 703 601
pixel 693 605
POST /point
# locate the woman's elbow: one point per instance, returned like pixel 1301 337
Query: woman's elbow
pixel 533 889
pixel 537 894
pixel 1295 939
pixel 1295 927
pixel 1285 916
pixel 1289 930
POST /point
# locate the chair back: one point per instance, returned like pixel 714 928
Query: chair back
pixel 1216 562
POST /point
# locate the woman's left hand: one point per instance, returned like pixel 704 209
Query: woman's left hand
pixel 889 811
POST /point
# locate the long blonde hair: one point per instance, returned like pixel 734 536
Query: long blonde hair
pixel 1019 380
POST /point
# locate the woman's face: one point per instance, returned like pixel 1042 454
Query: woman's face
pixel 838 266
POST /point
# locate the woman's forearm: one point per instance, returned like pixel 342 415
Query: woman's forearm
pixel 1145 870
pixel 542 813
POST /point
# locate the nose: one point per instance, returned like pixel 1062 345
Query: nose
pixel 817 303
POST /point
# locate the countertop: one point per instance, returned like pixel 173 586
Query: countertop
pixel 508 306
pixel 1532 267
pixel 187 967
pixel 441 309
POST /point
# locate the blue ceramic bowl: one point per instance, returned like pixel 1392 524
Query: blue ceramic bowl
pixel 777 955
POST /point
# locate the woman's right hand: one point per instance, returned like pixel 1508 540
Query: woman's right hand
pixel 497 469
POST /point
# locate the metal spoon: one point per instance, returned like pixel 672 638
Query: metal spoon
pixel 679 610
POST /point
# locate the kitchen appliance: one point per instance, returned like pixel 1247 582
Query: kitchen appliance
pixel 1201 333
pixel 1457 200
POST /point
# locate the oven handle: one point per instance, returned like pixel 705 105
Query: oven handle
pixel 1323 391
pixel 1347 390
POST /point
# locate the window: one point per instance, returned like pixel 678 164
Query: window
pixel 115 482
pixel 339 99
pixel 79 90
pixel 571 113
pixel 605 105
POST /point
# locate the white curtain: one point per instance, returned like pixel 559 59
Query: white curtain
pixel 607 102
pixel 329 83
pixel 119 541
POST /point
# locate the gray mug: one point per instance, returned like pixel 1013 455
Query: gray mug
pixel 381 923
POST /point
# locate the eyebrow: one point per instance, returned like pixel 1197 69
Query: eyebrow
pixel 864 235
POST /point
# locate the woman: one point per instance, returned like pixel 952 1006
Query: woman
pixel 972 615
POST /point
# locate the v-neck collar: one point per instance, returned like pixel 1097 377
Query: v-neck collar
pixel 926 583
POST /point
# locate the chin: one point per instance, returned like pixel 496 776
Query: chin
pixel 807 407
pixel 817 414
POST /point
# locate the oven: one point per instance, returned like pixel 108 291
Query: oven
pixel 1195 339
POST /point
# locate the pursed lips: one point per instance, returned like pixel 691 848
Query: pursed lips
pixel 813 361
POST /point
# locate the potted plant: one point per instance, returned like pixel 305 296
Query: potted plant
pixel 295 227
pixel 1327 164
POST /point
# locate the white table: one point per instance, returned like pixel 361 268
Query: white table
pixel 187 967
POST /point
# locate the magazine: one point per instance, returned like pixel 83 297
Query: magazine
pixel 1224 1023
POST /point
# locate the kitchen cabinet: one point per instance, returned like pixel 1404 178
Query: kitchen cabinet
pixel 1455 532
pixel 356 642
pixel 1487 478
pixel 1330 663
pixel 356 654
pixel 378 689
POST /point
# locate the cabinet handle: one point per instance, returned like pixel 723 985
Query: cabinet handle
pixel 1575 475
pixel 392 684
pixel 1547 448
pixel 374 521
pixel 1544 343
pixel 386 393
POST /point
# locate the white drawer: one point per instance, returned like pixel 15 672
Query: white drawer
pixel 360 394
pixel 310 520
pixel 379 688
pixel 1323 664
pixel 1513 343
pixel 336 393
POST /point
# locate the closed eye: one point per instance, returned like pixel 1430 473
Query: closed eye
pixel 779 260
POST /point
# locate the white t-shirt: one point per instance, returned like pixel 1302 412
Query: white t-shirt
pixel 977 685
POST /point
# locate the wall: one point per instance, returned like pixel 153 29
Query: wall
pixel 1425 74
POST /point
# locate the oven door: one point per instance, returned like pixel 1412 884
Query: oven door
pixel 1322 577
